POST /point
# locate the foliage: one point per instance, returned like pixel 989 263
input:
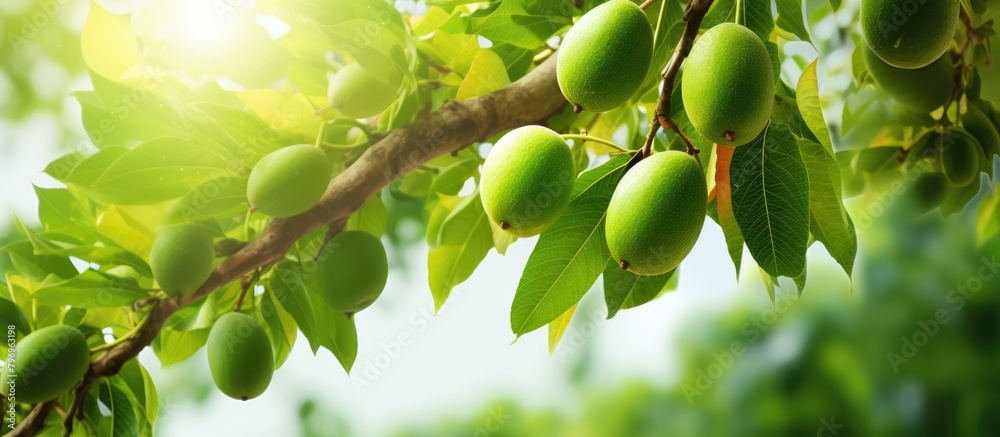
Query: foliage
pixel 177 120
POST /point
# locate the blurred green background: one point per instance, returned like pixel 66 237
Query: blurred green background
pixel 911 347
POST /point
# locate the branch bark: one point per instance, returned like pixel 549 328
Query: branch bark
pixel 532 99
pixel 693 16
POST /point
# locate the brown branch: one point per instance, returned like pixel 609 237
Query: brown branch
pixel 693 16
pixel 532 99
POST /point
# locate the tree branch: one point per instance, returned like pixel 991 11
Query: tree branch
pixel 532 99
pixel 693 16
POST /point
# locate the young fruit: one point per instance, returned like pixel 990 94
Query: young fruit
pixel 656 213
pixel 181 258
pixel 527 180
pixel 930 190
pixel 605 55
pixel 352 271
pixel 959 156
pixel 909 33
pixel 359 93
pixel 981 127
pixel 239 356
pixel 922 89
pixel 289 181
pixel 728 90
pixel 50 362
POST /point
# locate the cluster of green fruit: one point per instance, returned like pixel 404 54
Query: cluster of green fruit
pixel 907 58
pixel 658 208
pixel 604 58
pixel 351 274
pixel 653 218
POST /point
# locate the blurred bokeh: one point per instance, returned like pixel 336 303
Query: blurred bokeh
pixel 910 347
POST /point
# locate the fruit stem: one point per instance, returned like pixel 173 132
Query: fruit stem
pixel 586 138
pixel 740 13
pixel 246 284
pixel 646 4
pixel 693 16
pixel 321 134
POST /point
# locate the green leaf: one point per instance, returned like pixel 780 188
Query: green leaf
pixel 371 218
pixel 120 402
pixel 37 267
pixel 291 293
pixel 221 197
pixel 144 396
pixel 280 327
pixel 757 14
pixel 636 300
pixel 175 346
pixel 486 74
pixel 807 96
pixel 90 289
pixel 155 171
pixel 829 222
pixel 558 327
pixel 621 286
pixel 463 242
pixel 771 201
pixel 790 18
pixel 104 253
pixel 570 255
pixel 523 24
pixel 59 209
pixel 339 335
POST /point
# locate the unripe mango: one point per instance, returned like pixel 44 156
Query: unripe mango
pixel 49 362
pixel 359 93
pixel 182 258
pixel 930 190
pixel 604 58
pixel 527 180
pixel 240 356
pixel 922 89
pixel 728 87
pixel 959 156
pixel 352 271
pixel 656 213
pixel 289 180
pixel 909 33
pixel 981 127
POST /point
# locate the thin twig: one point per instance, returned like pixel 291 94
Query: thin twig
pixel 693 16
pixel 451 127
pixel 646 4
pixel 246 283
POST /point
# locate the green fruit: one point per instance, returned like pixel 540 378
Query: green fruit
pixel 923 89
pixel 604 58
pixel 352 271
pixel 527 180
pixel 959 156
pixel 289 181
pixel 48 363
pixel 240 356
pixel 656 213
pixel 930 190
pixel 909 33
pixel 359 93
pixel 728 90
pixel 182 258
pixel 981 127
